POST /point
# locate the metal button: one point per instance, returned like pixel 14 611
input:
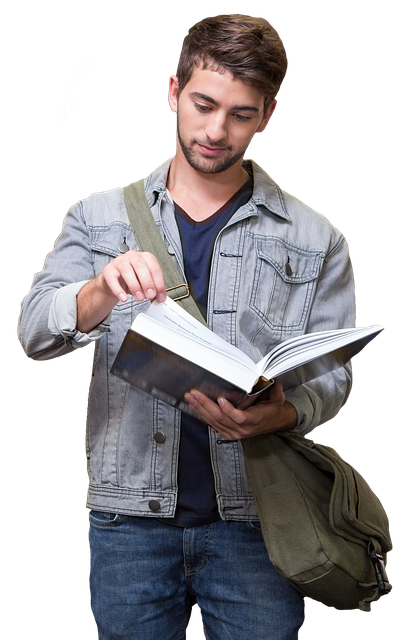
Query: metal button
pixel 159 436
pixel 123 247
pixel 288 269
pixel 154 505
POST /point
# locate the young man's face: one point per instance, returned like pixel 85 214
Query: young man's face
pixel 217 116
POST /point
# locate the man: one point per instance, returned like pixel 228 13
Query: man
pixel 173 520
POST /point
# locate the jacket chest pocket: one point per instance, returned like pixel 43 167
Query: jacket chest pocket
pixel 110 242
pixel 107 244
pixel 284 282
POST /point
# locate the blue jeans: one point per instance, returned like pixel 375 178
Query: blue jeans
pixel 146 576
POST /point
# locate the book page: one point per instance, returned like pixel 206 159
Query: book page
pixel 175 317
pixel 201 353
pixel 299 343
pixel 334 342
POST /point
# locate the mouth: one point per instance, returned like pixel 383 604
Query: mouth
pixel 210 151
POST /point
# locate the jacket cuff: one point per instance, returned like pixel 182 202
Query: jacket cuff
pixel 62 317
pixel 308 415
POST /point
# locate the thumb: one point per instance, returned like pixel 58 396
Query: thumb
pixel 276 395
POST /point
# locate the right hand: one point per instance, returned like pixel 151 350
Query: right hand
pixel 137 273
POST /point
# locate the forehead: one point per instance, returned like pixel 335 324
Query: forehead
pixel 224 88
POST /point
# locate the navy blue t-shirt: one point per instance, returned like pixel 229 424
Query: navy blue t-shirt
pixel 196 504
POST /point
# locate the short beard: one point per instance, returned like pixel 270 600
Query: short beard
pixel 210 165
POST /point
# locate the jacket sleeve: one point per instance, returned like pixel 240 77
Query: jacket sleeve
pixel 47 324
pixel 333 307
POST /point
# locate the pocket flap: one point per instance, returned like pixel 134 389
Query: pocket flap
pixel 294 265
pixel 109 240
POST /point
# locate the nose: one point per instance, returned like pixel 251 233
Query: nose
pixel 215 128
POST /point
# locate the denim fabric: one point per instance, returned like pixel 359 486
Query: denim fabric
pixel 145 577
pixel 254 302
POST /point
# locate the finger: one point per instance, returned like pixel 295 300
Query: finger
pixel 113 283
pixel 157 275
pixel 149 274
pixel 212 413
pixel 129 281
pixel 204 404
pixel 236 415
pixel 136 273
pixel 276 394
pixel 137 276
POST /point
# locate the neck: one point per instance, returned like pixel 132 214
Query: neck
pixel 188 185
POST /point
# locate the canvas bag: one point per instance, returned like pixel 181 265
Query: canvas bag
pixel 325 530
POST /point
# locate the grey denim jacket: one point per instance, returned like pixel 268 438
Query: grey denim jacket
pixel 255 301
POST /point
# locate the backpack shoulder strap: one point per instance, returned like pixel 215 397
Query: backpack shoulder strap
pixel 149 239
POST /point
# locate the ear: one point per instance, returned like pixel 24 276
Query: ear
pixel 173 92
pixel 267 116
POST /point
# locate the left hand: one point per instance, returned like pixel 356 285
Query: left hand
pixel 272 414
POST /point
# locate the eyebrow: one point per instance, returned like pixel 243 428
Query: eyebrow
pixel 237 107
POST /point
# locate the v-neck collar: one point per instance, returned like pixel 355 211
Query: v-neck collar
pixel 248 185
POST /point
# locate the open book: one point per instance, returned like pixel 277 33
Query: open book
pixel 167 353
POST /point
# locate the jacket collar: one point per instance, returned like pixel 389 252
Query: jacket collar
pixel 266 193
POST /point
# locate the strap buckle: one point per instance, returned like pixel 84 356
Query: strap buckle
pixel 383 584
pixel 180 297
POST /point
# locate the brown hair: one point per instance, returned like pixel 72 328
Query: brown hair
pixel 247 47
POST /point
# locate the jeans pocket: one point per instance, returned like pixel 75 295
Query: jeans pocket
pixel 255 527
pixel 103 519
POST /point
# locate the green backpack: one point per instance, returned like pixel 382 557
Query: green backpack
pixel 324 529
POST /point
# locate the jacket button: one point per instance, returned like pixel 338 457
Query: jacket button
pixel 154 505
pixel 159 436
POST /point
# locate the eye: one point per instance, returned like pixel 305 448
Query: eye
pixel 240 118
pixel 201 107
